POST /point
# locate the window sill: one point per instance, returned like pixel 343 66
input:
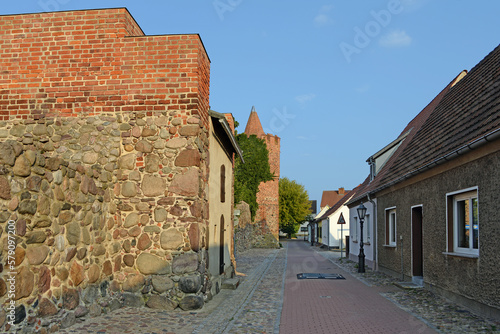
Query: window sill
pixel 469 256
pixel 390 246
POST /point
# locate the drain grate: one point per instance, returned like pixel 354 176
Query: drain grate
pixel 319 276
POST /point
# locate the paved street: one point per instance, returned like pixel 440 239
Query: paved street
pixel 336 305
pixel 264 304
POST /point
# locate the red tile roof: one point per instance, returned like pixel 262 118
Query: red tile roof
pixel 330 197
pixel 339 203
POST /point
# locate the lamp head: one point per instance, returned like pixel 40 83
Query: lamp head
pixel 361 211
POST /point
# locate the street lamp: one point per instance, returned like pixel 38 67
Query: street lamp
pixel 361 257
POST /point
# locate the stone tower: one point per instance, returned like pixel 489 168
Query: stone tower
pixel 268 196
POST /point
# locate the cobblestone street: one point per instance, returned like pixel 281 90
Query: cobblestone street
pixel 256 306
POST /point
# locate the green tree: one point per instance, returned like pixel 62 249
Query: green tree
pixel 294 205
pixel 248 175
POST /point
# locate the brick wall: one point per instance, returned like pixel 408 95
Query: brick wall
pixel 88 62
pixel 268 195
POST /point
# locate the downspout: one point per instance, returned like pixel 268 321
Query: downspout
pixel 375 228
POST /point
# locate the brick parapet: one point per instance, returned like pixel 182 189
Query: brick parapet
pixel 89 62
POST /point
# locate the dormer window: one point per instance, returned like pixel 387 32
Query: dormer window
pixel 379 159
pixel 373 169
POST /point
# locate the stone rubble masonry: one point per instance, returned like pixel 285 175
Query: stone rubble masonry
pixel 103 166
pixel 248 234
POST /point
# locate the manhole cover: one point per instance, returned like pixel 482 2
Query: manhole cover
pixel 319 276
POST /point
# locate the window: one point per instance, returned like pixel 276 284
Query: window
pixel 463 223
pixel 367 228
pixel 390 227
pixel 355 229
pixel 223 184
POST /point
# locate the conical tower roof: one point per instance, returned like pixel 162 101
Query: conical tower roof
pixel 254 127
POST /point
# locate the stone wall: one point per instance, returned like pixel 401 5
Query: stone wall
pixel 107 213
pixel 249 235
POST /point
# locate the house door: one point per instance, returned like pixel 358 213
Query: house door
pixel 417 241
pixel 221 245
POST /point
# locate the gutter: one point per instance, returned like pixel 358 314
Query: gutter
pixel 490 137
pixel 227 130
pixel 374 248
pixel 229 133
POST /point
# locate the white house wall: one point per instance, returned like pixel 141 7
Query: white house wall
pixel 369 237
pixel 335 230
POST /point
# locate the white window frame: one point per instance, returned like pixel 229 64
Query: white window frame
pixel 367 229
pixel 466 194
pixel 391 228
pixel 355 229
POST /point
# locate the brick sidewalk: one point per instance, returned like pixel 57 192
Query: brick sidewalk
pixel 336 306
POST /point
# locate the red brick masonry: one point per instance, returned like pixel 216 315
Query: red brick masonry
pixel 92 61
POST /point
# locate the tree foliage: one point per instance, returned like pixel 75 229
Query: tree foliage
pixel 294 205
pixel 256 169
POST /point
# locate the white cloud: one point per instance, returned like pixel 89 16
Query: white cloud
pixel 413 5
pixel 305 98
pixel 363 89
pixel 307 138
pixel 396 38
pixel 326 8
pixel 323 19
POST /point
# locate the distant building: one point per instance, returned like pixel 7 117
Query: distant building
pixel 328 200
pixel 314 206
pixel 304 229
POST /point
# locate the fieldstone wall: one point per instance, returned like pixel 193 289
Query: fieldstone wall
pixel 251 235
pixel 109 211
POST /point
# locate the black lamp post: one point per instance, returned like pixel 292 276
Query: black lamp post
pixel 361 257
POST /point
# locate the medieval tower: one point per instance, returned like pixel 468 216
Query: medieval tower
pixel 268 196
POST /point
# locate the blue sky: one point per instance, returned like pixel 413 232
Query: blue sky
pixel 336 80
